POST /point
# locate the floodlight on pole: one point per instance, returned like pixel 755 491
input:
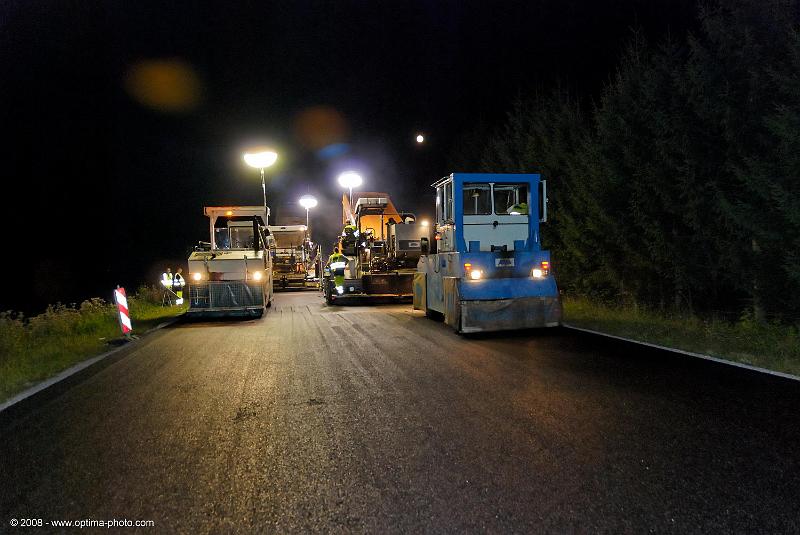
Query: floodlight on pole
pixel 261 159
pixel 350 180
pixel 308 202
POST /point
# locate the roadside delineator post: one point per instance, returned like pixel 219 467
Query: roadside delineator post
pixel 122 308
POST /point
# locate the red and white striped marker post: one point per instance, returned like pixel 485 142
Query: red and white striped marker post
pixel 122 308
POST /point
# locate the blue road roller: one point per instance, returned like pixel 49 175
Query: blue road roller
pixel 485 269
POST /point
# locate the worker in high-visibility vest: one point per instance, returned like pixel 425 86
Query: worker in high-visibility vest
pixel 167 280
pixel 349 239
pixel 518 209
pixel 177 286
pixel 337 263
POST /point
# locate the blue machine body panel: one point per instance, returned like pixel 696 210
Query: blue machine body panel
pixel 484 223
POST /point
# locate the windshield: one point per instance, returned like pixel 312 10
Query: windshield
pixel 510 199
pixel 477 199
pixel 234 238
pixel 289 239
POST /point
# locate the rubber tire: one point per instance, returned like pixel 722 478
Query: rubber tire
pixel 434 315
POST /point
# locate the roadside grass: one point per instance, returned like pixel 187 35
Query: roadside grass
pixel 767 345
pixel 34 349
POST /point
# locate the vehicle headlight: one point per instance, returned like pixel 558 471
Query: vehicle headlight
pixel 537 273
pixel 475 274
pixel 257 275
pixel 197 276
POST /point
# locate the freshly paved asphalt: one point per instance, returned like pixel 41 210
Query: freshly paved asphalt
pixel 378 419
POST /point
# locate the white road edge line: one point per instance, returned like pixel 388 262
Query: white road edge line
pixel 47 383
pixel 688 353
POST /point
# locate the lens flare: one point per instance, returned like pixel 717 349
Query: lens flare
pixel 320 127
pixel 167 85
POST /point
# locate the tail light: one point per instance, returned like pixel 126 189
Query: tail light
pixel 541 271
pixel 472 274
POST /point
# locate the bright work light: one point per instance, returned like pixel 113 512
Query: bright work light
pixel 350 180
pixel 260 159
pixel 307 202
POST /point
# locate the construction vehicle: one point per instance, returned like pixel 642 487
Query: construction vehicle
pixel 486 270
pixel 382 246
pixel 231 275
pixel 294 257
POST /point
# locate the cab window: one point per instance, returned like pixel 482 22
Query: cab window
pixel 477 199
pixel 448 201
pixel 439 205
pixel 234 233
pixel 511 199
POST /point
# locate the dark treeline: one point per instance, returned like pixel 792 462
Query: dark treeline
pixel 677 189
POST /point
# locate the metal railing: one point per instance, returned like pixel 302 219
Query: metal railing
pixel 210 295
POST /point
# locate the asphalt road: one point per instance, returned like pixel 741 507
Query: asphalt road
pixel 353 419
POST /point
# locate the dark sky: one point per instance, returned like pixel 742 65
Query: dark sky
pixel 105 188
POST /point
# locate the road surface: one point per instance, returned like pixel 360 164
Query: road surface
pixel 377 419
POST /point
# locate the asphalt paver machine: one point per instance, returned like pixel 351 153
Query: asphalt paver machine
pixel 294 258
pixel 382 247
pixel 231 274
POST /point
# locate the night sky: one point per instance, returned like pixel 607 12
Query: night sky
pixel 121 120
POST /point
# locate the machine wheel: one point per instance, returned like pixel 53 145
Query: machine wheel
pixel 434 315
pixel 457 324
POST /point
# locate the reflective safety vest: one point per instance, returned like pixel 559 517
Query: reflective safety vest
pixel 166 279
pixel 177 281
pixel 519 209
pixel 337 261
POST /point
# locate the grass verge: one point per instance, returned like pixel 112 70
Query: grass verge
pixel 34 349
pixel 772 346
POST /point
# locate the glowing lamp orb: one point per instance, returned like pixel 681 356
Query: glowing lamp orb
pixel 307 202
pixel 420 138
pixel 350 179
pixel 424 223
pixel 260 159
